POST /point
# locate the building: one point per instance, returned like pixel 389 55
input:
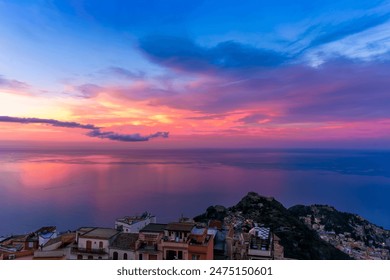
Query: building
pixel 23 246
pixel 58 248
pixel 123 247
pixel 201 244
pixel 260 244
pixel 17 246
pixel 149 242
pixel 93 243
pixel 133 224
pixel 175 242
pixel 45 234
pixel 187 241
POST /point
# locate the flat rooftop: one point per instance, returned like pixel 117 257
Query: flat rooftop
pixel 135 219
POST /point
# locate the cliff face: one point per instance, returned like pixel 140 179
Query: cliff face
pixel 299 240
pixel 352 234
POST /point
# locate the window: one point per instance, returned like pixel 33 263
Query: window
pixel 196 257
pixel 101 244
pixel 180 255
pixel 140 257
pixel 90 257
pixel 125 256
pixel 115 255
pixel 79 257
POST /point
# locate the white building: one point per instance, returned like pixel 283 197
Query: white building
pixel 133 224
pixel 45 234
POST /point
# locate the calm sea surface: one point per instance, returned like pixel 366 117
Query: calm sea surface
pixel 92 188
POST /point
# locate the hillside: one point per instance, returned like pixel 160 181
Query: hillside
pixel 348 232
pixel 299 241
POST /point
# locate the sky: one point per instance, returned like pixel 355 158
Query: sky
pixel 174 73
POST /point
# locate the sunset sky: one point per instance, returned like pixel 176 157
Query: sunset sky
pixel 180 73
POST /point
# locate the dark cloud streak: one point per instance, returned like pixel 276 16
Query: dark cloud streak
pixel 136 137
pixel 184 54
pixel 46 121
pixel 95 131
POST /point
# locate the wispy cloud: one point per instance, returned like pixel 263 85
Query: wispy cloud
pixel 254 119
pixel 361 37
pixel 12 84
pixel 340 31
pixel 95 131
pixel 125 73
pixel 88 90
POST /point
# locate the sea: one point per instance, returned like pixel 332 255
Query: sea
pixel 75 188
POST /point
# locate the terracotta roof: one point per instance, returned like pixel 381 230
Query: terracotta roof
pixel 180 226
pixel 125 241
pixel 65 239
pixel 215 224
pixel 154 228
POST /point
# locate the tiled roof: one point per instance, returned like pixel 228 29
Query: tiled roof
pixel 180 226
pixel 215 224
pixel 44 230
pixel 65 239
pixel 125 241
pixel 100 233
pixel 153 227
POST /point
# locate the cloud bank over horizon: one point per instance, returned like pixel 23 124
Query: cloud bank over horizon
pixel 95 131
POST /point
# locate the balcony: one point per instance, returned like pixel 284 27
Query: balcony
pixel 77 250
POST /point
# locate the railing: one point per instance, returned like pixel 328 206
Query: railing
pixel 100 251
pixel 260 253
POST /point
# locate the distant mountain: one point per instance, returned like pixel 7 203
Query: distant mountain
pixel 348 232
pixel 300 240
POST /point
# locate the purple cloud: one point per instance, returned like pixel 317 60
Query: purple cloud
pixel 12 84
pixel 46 121
pixel 95 131
pixel 253 118
pixel 136 137
pixel 89 90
